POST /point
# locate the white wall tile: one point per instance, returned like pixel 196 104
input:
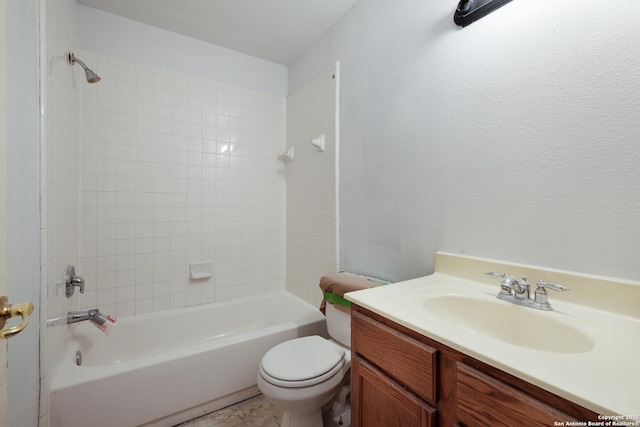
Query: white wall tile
pixel 174 179
pixel 61 204
pixel 311 210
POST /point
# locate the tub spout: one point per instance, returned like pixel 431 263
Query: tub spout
pixel 99 320
pixel 92 315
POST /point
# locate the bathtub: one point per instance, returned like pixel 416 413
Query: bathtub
pixel 165 368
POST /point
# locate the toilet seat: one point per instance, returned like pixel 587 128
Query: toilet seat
pixel 302 362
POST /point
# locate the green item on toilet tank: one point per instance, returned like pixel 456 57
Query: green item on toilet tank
pixel 336 299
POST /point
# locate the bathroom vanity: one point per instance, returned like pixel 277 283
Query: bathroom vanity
pixel 458 365
pixel 401 378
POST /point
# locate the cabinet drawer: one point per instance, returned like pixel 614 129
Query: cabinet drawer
pixel 408 361
pixel 483 400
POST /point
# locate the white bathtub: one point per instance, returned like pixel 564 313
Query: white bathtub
pixel 164 368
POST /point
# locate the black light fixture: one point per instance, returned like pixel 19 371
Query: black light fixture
pixel 469 11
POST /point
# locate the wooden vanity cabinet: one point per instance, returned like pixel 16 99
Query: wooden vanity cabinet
pixel 393 377
pixel 378 400
pixel 482 400
pixel 401 378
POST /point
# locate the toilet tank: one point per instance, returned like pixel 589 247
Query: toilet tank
pixel 338 325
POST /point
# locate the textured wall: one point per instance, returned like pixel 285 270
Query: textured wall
pixel 514 138
pixel 123 38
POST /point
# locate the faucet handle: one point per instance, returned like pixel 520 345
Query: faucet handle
pixel 78 281
pixel 541 296
pixel 555 286
pixel 507 281
pixel 71 281
pixel 496 275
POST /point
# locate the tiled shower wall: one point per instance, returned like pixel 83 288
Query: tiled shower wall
pixel 178 169
pixel 312 202
pixel 59 187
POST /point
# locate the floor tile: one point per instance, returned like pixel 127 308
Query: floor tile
pixel 255 412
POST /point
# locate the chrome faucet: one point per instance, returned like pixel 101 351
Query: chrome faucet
pixel 92 315
pixel 518 292
pixel 72 281
pixel 510 283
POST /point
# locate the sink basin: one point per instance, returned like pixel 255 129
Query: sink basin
pixel 508 323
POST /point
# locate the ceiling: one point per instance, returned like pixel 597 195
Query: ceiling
pixel 275 30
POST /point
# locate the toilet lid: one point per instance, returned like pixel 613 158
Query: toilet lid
pixel 301 359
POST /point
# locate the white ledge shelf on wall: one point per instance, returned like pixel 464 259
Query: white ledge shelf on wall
pixel 200 270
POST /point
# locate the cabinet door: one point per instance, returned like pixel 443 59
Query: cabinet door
pixel 378 401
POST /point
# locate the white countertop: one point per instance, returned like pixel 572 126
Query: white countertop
pixel 603 377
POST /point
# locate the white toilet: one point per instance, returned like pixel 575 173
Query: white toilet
pixel 304 374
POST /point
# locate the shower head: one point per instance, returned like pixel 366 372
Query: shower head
pixel 91 76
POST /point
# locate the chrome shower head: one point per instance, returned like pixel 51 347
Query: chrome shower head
pixel 91 76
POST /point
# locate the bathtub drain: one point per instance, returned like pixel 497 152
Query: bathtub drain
pixel 78 357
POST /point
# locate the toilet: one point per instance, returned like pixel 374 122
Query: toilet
pixel 305 374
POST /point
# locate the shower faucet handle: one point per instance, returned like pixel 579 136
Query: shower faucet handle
pixel 78 281
pixel 71 281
